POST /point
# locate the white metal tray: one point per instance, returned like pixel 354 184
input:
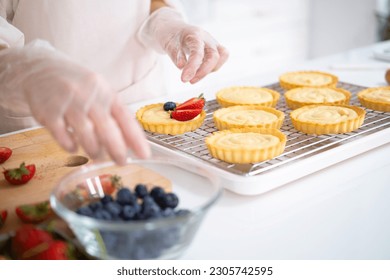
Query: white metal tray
pixel 304 154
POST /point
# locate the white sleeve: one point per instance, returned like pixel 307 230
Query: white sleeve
pixel 10 36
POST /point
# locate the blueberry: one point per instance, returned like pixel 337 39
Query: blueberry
pixel 96 205
pixel 169 106
pixel 102 214
pixel 157 193
pixel 168 200
pixel 114 208
pixel 107 198
pixel 85 211
pixel 125 196
pixel 150 208
pixel 168 212
pixel 129 211
pixel 141 190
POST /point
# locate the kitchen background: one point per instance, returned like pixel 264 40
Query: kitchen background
pixel 263 36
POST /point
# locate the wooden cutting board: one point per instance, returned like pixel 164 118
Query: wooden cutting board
pixel 52 163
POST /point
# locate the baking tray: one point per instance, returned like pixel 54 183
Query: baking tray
pixel 303 154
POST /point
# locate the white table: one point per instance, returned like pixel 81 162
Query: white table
pixel 341 212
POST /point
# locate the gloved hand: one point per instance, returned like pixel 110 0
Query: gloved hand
pixel 75 104
pixel 191 48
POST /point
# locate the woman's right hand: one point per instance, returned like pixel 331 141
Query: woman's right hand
pixel 75 104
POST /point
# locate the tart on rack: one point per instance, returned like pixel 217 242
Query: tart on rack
pixel 327 119
pixel 246 145
pixel 248 116
pixel 247 95
pixel 302 96
pixel 171 118
pixel 291 80
pixel 377 98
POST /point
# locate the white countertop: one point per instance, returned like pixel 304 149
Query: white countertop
pixel 341 212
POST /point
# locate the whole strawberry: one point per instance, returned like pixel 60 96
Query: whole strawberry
pixel 104 184
pixel 30 241
pixel 34 213
pixel 20 175
pixel 58 250
pixel 3 217
pixel 5 154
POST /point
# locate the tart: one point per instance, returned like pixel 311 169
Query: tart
pixel 327 119
pixel 303 96
pixel 247 95
pixel 307 79
pixel 246 145
pixel 248 116
pixel 376 98
pixel 154 118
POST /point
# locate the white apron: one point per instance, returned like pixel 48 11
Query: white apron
pixel 99 34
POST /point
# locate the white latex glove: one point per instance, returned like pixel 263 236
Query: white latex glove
pixel 191 48
pixel 75 104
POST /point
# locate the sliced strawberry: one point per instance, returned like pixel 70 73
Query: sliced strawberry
pixel 5 154
pixel 34 213
pixel 3 217
pixel 30 241
pixel 193 103
pixel 58 250
pixel 185 115
pixel 20 175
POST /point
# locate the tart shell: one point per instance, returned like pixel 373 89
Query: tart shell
pixel 310 127
pixel 294 104
pixel 225 102
pixel 245 154
pixel 284 83
pixel 371 103
pixel 174 128
pixel 223 124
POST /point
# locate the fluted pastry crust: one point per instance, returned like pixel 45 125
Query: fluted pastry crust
pixel 327 119
pixel 376 98
pixel 246 145
pixel 298 97
pixel 296 79
pixel 248 116
pixel 153 118
pixel 247 95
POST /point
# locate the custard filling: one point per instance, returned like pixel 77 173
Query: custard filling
pixel 326 114
pixel 248 117
pixel 249 140
pixel 315 95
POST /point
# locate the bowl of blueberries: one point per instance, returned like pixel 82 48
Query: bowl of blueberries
pixel 145 209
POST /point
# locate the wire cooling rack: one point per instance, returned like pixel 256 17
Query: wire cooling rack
pixel 298 146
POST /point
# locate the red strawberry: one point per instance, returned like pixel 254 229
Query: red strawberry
pixel 58 250
pixel 185 115
pixel 3 217
pixel 20 175
pixel 108 182
pixel 5 153
pixel 34 213
pixel 29 241
pixel 193 103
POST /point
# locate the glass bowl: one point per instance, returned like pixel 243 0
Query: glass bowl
pixel 154 238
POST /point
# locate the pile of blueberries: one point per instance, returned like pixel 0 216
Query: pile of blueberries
pixel 137 206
